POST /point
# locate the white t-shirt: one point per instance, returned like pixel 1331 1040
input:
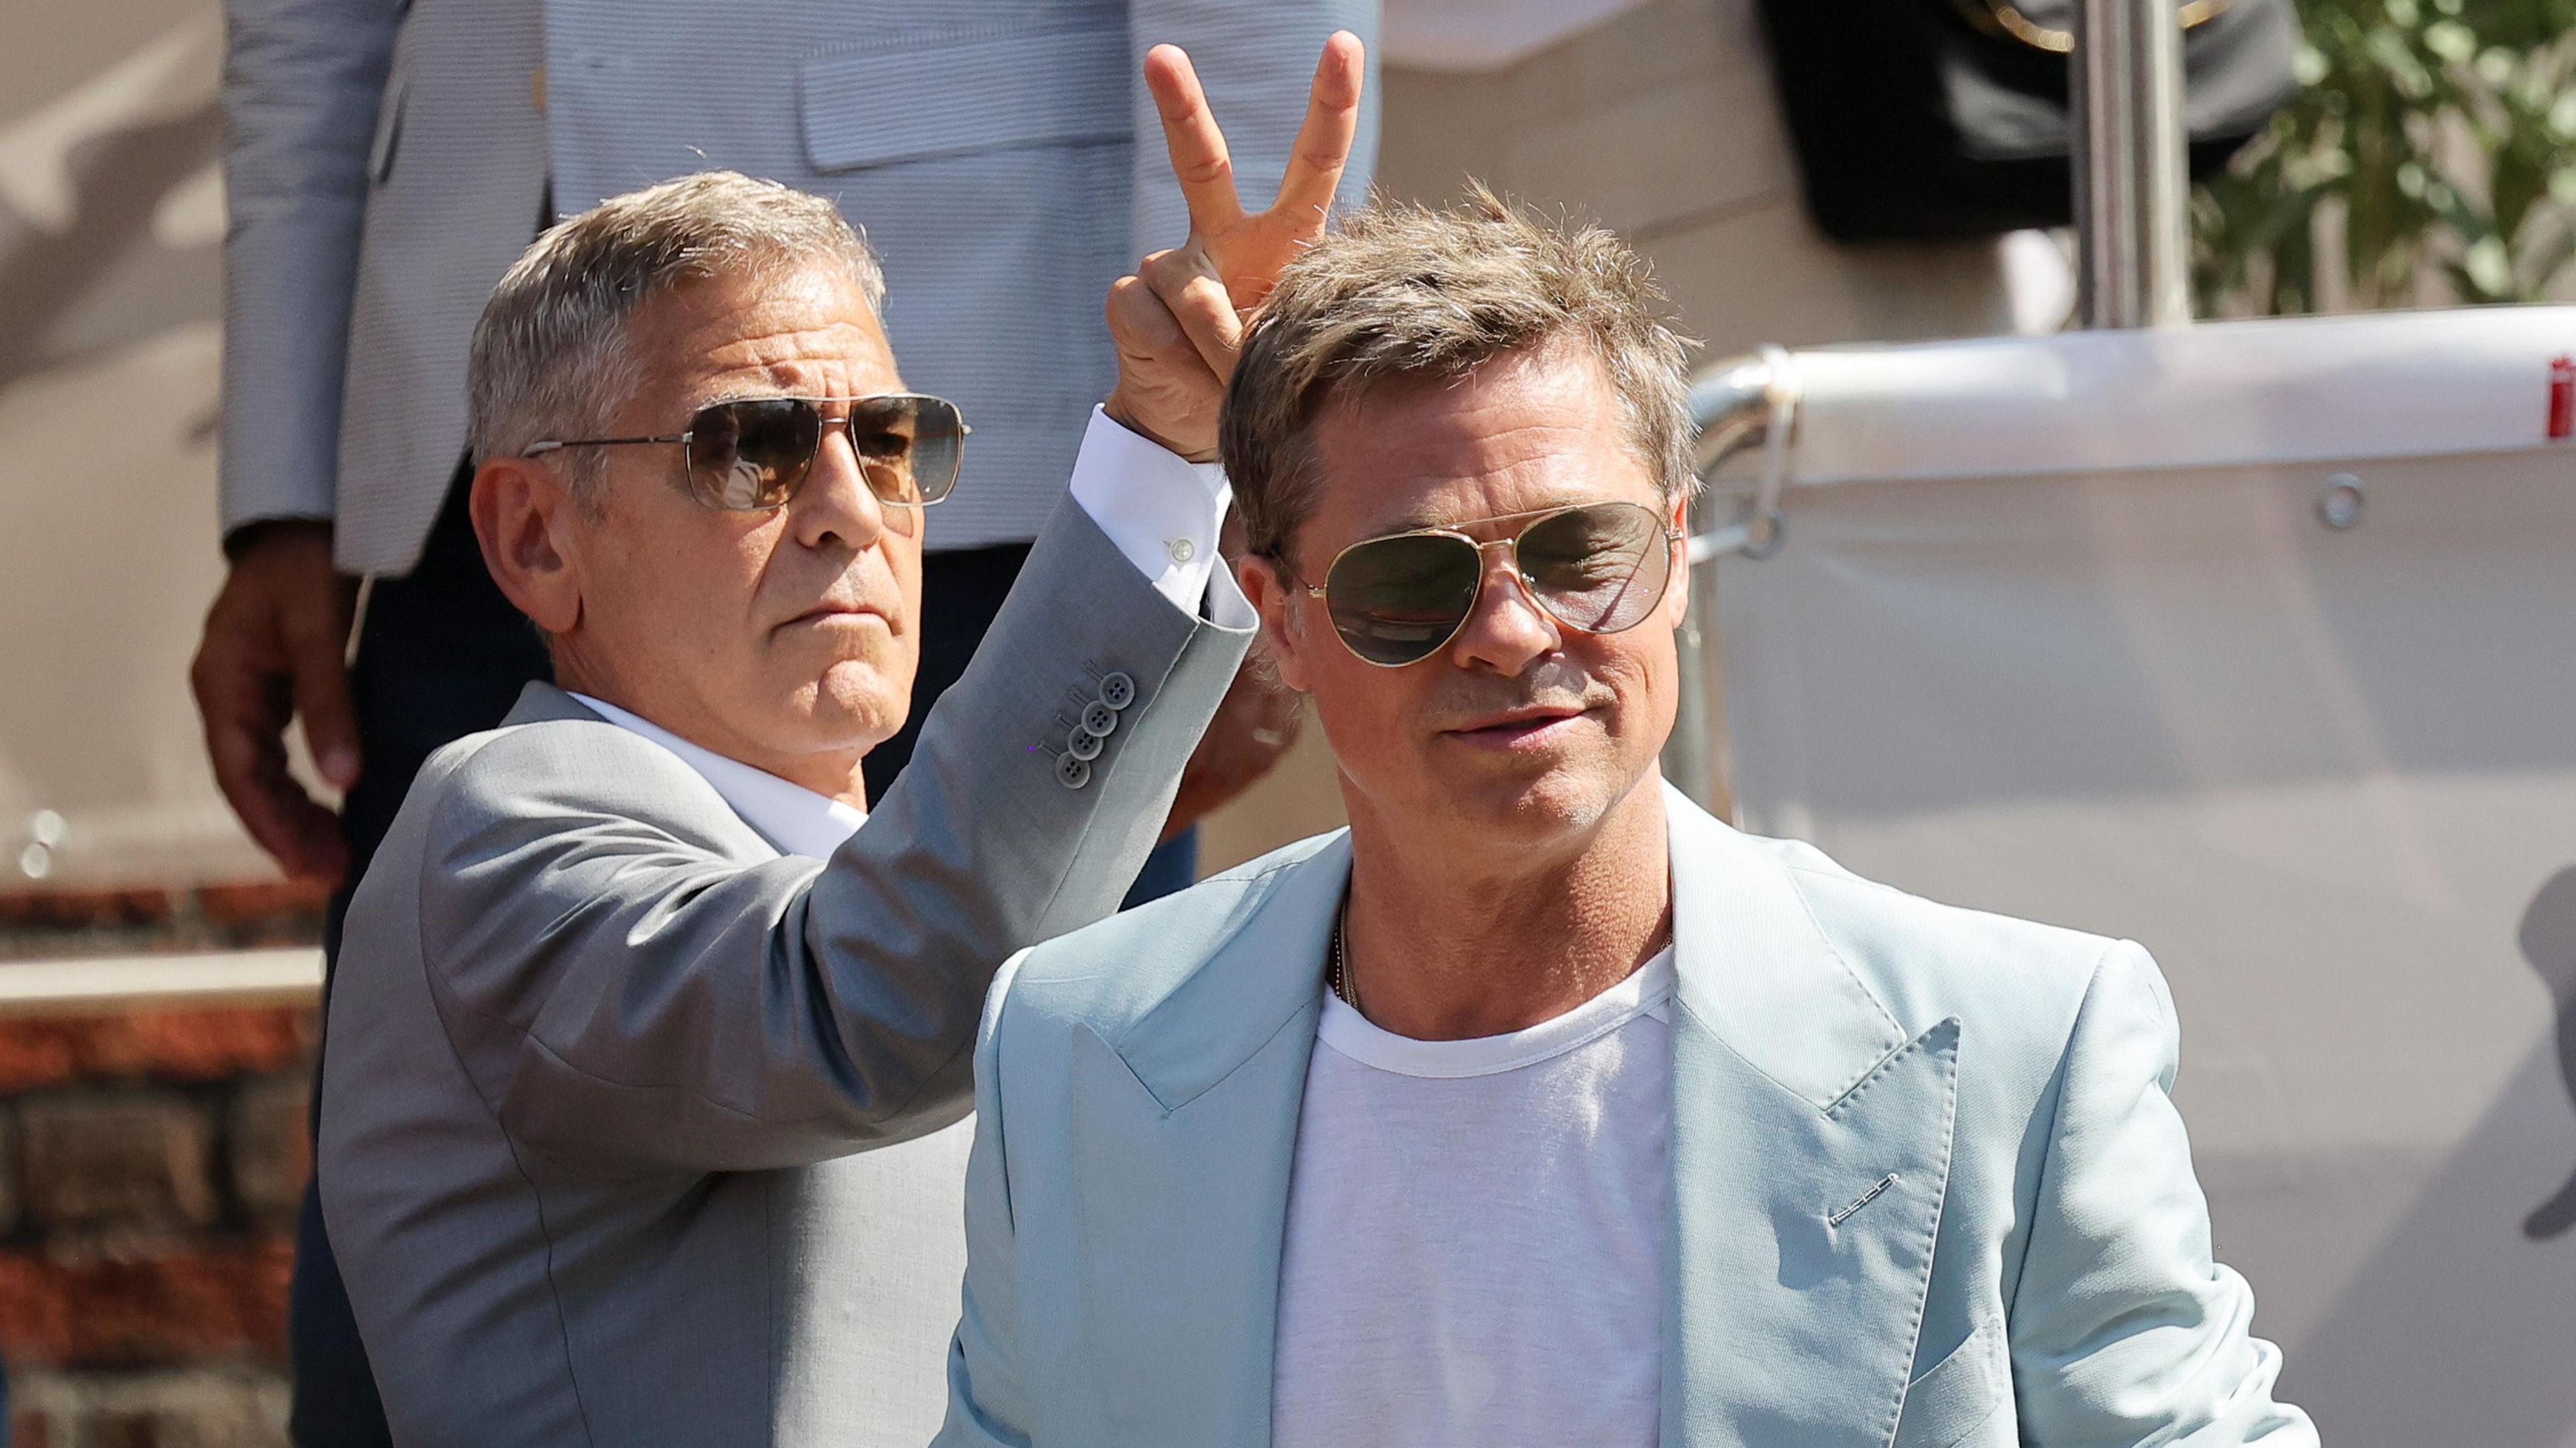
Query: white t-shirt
pixel 1477 1232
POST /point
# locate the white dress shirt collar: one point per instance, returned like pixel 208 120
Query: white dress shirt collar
pixel 795 819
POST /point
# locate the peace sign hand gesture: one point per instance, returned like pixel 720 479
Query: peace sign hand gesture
pixel 1178 322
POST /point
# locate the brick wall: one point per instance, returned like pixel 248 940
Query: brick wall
pixel 150 1169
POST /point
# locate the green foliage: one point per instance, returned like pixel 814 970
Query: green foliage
pixel 2444 134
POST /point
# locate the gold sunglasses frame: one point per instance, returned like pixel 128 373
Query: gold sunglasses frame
pixel 1537 516
pixel 683 436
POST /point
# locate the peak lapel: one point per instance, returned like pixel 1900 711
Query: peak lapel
pixel 1811 1148
pixel 1183 1187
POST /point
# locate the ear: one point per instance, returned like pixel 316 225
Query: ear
pixel 523 518
pixel 1677 592
pixel 1276 601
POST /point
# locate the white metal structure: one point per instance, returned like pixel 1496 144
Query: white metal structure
pixel 2255 642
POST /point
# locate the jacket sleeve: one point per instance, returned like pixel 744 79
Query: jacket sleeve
pixel 303 93
pixel 987 1395
pixel 1257 61
pixel 629 999
pixel 2123 1329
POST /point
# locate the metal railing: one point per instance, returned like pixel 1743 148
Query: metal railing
pixel 1749 402
pixel 2133 251
pixel 2132 231
pixel 109 984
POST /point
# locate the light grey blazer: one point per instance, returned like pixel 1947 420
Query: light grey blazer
pixel 601 1058
pixel 385 162
pixel 1928 1190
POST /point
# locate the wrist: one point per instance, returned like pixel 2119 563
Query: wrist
pixel 267 534
pixel 1116 408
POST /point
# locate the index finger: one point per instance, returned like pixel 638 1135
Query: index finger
pixel 1323 146
pixel 1197 147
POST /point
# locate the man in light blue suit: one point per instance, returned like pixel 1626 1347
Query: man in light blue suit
pixel 1539 1106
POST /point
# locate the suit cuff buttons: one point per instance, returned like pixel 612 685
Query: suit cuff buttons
pixel 1085 740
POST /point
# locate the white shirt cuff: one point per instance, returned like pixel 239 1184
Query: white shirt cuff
pixel 1161 510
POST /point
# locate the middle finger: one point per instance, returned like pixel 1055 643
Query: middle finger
pixel 1323 146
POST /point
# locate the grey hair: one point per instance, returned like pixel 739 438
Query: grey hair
pixel 550 360
pixel 1402 292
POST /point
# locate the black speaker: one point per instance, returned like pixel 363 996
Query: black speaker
pixel 1939 119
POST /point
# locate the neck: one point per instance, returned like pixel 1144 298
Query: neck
pixel 1453 944
pixel 832 773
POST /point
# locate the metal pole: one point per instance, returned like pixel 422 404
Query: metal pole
pixel 2132 230
pixel 1736 404
pixel 1690 752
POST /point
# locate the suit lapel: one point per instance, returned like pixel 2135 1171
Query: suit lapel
pixel 1188 1131
pixel 1811 1148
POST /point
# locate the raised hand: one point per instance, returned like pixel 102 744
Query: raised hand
pixel 1178 322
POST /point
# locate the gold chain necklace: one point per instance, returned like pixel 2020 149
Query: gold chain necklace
pixel 1337 973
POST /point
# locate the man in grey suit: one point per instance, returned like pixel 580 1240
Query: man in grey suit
pixel 385 162
pixel 631 986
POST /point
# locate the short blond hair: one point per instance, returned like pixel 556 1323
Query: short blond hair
pixel 550 359
pixel 1405 292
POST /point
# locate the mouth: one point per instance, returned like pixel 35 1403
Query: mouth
pixel 839 615
pixel 1531 726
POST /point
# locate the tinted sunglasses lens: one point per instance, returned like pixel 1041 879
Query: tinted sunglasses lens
pixel 745 456
pixel 1397 600
pixel 1601 568
pixel 909 447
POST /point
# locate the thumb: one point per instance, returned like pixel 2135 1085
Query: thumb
pixel 322 700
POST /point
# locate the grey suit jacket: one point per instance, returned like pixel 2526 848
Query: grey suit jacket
pixel 598 1052
pixel 386 162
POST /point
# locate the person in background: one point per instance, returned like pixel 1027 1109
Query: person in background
pixel 386 163
pixel 1539 1106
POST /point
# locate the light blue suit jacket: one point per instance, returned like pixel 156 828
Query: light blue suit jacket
pixel 1929 1188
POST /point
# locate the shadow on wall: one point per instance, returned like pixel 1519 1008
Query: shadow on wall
pixel 105 280
pixel 2457 1327
pixel 2549 942
pixel 111 212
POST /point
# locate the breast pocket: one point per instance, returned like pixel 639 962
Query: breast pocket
pixel 1964 1400
pixel 1062 81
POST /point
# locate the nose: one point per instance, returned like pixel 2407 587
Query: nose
pixel 836 505
pixel 1507 631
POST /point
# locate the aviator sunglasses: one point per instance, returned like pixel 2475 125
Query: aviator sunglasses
pixel 1599 568
pixel 755 453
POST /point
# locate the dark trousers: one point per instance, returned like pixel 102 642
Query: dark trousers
pixel 442 654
